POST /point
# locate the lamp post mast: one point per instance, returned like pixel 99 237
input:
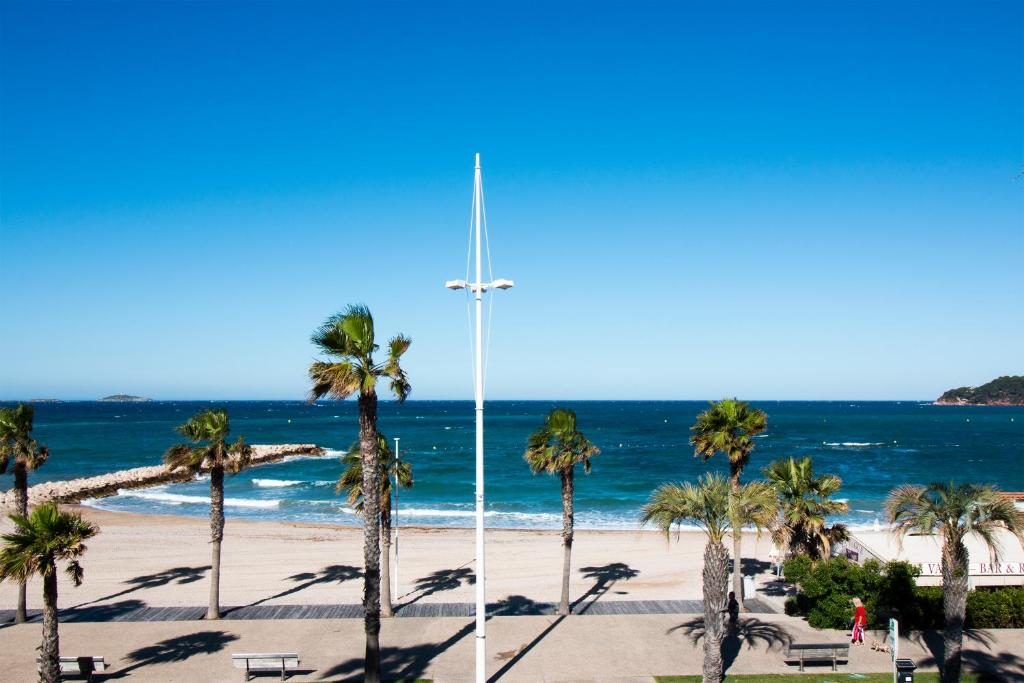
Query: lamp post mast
pixel 398 465
pixel 481 573
pixel 478 288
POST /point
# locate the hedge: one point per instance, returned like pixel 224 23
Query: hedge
pixel 826 587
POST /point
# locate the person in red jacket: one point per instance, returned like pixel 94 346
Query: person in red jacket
pixel 860 621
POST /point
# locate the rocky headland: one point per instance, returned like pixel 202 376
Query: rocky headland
pixel 77 490
pixel 1002 391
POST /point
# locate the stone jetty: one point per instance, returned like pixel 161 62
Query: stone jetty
pixel 77 490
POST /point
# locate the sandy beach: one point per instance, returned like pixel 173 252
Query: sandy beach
pixel 163 561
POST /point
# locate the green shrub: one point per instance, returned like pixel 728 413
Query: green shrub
pixel 796 569
pixel 825 590
pixel 826 587
pixel 996 608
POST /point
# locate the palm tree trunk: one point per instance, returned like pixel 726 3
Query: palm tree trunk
pixel 216 536
pixel 368 442
pixel 21 505
pixel 385 559
pixel 716 578
pixel 50 648
pixel 954 602
pixel 567 527
pixel 737 540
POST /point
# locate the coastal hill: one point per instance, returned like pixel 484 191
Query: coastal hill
pixel 125 398
pixel 1002 391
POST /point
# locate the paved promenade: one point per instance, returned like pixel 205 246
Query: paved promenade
pixel 520 648
pixel 516 606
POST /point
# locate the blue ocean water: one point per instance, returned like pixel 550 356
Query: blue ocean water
pixel 873 446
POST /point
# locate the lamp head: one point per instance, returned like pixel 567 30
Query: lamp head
pixel 455 284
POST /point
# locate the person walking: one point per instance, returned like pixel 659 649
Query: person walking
pixel 860 622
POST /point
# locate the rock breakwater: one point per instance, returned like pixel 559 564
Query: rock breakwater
pixel 77 490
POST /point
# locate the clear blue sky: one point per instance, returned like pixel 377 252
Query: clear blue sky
pixel 770 200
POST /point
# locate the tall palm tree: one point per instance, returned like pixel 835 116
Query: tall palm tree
pixel 36 544
pixel 351 483
pixel 17 444
pixel 719 510
pixel 729 426
pixel 806 505
pixel 208 432
pixel 556 448
pixel 347 338
pixel 953 511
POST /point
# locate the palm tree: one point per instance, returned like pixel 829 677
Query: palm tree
pixel 714 506
pixel 35 545
pixel 806 505
pixel 953 511
pixel 556 448
pixel 16 443
pixel 208 432
pixel 729 426
pixel 347 339
pixel 351 483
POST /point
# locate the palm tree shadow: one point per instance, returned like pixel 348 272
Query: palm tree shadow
pixel 932 641
pixel 177 649
pixel 334 573
pixel 400 663
pixel 107 612
pixel 178 575
pixel 605 576
pixel 749 631
pixel 440 581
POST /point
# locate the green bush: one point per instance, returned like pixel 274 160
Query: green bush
pixel 996 608
pixel 826 587
pixel 796 569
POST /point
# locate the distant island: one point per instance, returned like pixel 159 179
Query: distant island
pixel 125 398
pixel 1003 391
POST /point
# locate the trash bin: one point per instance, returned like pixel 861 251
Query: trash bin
pixel 748 588
pixel 905 670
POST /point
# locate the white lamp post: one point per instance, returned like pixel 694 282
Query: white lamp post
pixel 478 288
pixel 398 465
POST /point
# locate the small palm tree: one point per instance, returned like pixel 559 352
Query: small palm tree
pixel 718 510
pixel 953 511
pixel 806 505
pixel 208 432
pixel 36 544
pixel 729 426
pixel 351 483
pixel 556 448
pixel 347 338
pixel 17 444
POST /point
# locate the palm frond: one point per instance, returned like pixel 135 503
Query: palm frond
pixel 337 380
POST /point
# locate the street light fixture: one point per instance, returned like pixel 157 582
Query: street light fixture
pixel 478 288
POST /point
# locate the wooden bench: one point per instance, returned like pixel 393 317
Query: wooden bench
pixel 78 666
pixel 818 652
pixel 254 662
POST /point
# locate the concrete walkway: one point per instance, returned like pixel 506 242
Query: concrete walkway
pixel 515 606
pixel 522 648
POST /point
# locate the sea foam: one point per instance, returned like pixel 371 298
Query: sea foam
pixel 183 499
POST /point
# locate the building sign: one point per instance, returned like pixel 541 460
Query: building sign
pixel 976 568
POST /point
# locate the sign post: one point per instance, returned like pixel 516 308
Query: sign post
pixel 894 644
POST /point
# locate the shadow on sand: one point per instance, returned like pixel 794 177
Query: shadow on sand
pixel 335 573
pixel 749 631
pixel 440 581
pixel 178 575
pixel 604 576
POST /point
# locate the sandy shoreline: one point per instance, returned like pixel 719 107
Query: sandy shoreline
pixel 157 561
